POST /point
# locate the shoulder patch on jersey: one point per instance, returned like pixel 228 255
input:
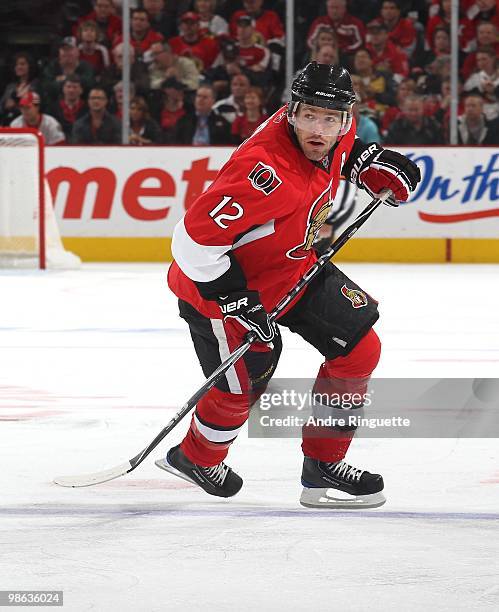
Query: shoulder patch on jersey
pixel 264 178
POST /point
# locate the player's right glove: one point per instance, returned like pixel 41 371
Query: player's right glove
pixel 245 307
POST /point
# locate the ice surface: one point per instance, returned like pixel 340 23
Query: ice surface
pixel 94 363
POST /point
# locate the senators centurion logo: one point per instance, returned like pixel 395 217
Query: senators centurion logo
pixel 264 178
pixel 319 212
pixel 357 297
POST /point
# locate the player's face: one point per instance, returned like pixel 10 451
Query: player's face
pixel 317 130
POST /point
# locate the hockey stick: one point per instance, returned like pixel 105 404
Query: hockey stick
pixel 86 480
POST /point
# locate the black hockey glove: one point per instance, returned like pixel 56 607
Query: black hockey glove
pixel 245 307
pixel 376 169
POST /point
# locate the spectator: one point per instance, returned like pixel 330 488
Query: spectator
pixel 98 126
pixel 203 127
pixel 324 35
pixel 367 130
pixel 386 56
pixel 165 64
pixel 110 25
pixel 174 10
pixel 483 10
pixel 486 81
pixel 412 127
pixel 118 98
pixel 379 86
pixel 68 62
pixel 70 106
pixel 349 30
pixel 406 88
pixel 252 56
pixel 191 43
pixel 224 67
pixel 173 109
pixel 441 41
pixel 32 118
pixel 159 19
pixel 401 31
pixel 430 82
pixel 142 36
pixel 209 22
pixel 139 75
pixel 91 51
pixel 24 81
pixel 473 127
pixel 245 124
pixel 366 105
pixel 229 108
pixel 486 36
pixel 327 54
pixel 443 18
pixel 143 129
pixel 267 22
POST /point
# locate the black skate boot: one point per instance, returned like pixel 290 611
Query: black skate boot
pixel 339 485
pixel 217 480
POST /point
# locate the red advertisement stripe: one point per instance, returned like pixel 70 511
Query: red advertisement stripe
pixel 480 214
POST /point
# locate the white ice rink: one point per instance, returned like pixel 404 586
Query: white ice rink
pixel 94 363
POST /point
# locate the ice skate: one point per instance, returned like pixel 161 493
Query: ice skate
pixel 339 485
pixel 219 480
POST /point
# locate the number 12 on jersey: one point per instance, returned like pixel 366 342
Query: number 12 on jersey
pixel 220 218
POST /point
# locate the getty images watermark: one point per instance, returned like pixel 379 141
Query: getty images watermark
pixel 398 408
pixel 323 410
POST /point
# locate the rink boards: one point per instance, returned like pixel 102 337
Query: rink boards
pixel 122 203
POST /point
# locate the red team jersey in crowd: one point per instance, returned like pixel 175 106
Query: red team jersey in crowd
pixel 403 34
pixel 141 46
pixel 205 49
pixel 467 31
pixel 268 24
pixel 112 29
pixel 265 206
pixel 391 59
pixel 350 31
pixel 254 55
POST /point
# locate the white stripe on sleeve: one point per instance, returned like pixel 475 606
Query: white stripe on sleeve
pixel 200 262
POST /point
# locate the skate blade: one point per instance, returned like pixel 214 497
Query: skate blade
pixel 332 498
pixel 164 465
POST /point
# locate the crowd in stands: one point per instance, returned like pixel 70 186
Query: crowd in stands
pixel 209 72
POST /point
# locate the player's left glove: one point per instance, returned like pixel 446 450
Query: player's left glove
pixel 377 169
pixel 245 307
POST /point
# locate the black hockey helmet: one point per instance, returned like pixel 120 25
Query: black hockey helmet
pixel 324 85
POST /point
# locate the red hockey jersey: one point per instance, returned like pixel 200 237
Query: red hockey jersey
pixel 264 209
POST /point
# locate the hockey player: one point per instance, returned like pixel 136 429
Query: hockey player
pixel 243 244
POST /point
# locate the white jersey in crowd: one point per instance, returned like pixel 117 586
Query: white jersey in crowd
pixel 48 126
pixel 216 25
